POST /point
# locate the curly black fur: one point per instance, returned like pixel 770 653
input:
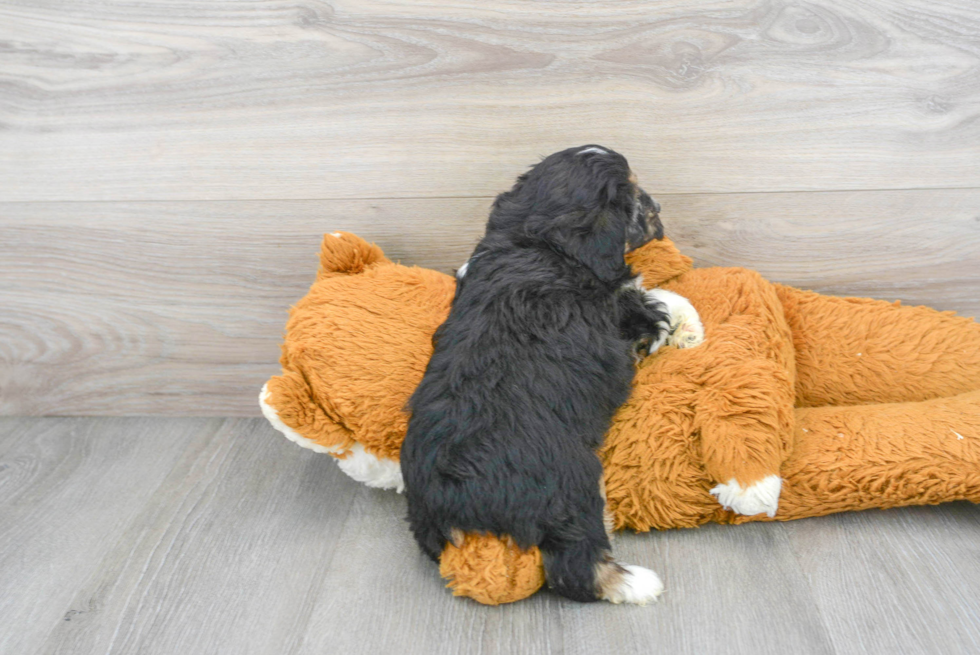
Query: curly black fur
pixel 531 364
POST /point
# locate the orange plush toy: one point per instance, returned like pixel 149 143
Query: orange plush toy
pixel 795 405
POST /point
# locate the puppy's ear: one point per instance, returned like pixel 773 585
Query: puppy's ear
pixel 596 240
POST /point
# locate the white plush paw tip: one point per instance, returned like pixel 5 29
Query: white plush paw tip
pixel 377 472
pixel 762 496
pixel 639 586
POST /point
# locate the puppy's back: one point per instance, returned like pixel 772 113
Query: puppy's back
pixel 526 372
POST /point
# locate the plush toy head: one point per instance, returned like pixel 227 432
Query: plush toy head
pixel 796 404
pixel 356 346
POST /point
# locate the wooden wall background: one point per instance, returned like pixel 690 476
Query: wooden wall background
pixel 167 168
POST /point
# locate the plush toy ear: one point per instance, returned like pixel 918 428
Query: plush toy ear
pixel 658 261
pixel 347 254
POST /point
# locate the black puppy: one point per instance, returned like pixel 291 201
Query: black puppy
pixel 535 357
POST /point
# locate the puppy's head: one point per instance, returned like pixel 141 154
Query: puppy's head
pixel 585 203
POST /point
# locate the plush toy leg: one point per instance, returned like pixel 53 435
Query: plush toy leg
pixel 744 369
pixel 743 422
pixel 855 351
pixel 864 456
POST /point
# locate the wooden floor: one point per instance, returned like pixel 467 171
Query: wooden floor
pixel 169 535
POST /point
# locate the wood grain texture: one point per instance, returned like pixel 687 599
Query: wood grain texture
pixel 178 308
pixel 228 556
pixel 68 489
pixel 922 248
pixel 115 309
pixel 368 615
pixel 395 98
pixel 909 578
pixel 219 536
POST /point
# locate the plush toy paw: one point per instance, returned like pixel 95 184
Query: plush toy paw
pixel 637 586
pixel 272 415
pixel 762 496
pixel 358 463
pixel 374 471
pixel 685 329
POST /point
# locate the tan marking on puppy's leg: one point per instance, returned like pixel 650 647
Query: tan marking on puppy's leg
pixel 607 517
pixel 608 577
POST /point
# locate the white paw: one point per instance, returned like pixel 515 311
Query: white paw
pixel 763 496
pixel 686 330
pixel 638 586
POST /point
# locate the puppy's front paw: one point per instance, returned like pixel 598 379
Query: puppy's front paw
pixel 685 330
pixel 762 496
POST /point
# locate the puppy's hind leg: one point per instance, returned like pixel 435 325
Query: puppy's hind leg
pixel 584 570
pixel 584 573
pixel 427 534
pixel 627 583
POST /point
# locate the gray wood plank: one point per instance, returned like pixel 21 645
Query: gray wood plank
pixel 738 588
pixel 895 581
pixel 165 535
pixel 922 248
pixel 383 595
pixel 733 589
pixel 13 431
pixel 69 488
pixel 368 98
pixel 227 557
pixel 178 308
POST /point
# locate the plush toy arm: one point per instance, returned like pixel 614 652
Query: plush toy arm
pixel 745 417
pixel 287 403
pixel 744 409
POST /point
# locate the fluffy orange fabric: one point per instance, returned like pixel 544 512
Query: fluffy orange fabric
pixel 854 403
pixel 491 571
pixel 356 346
